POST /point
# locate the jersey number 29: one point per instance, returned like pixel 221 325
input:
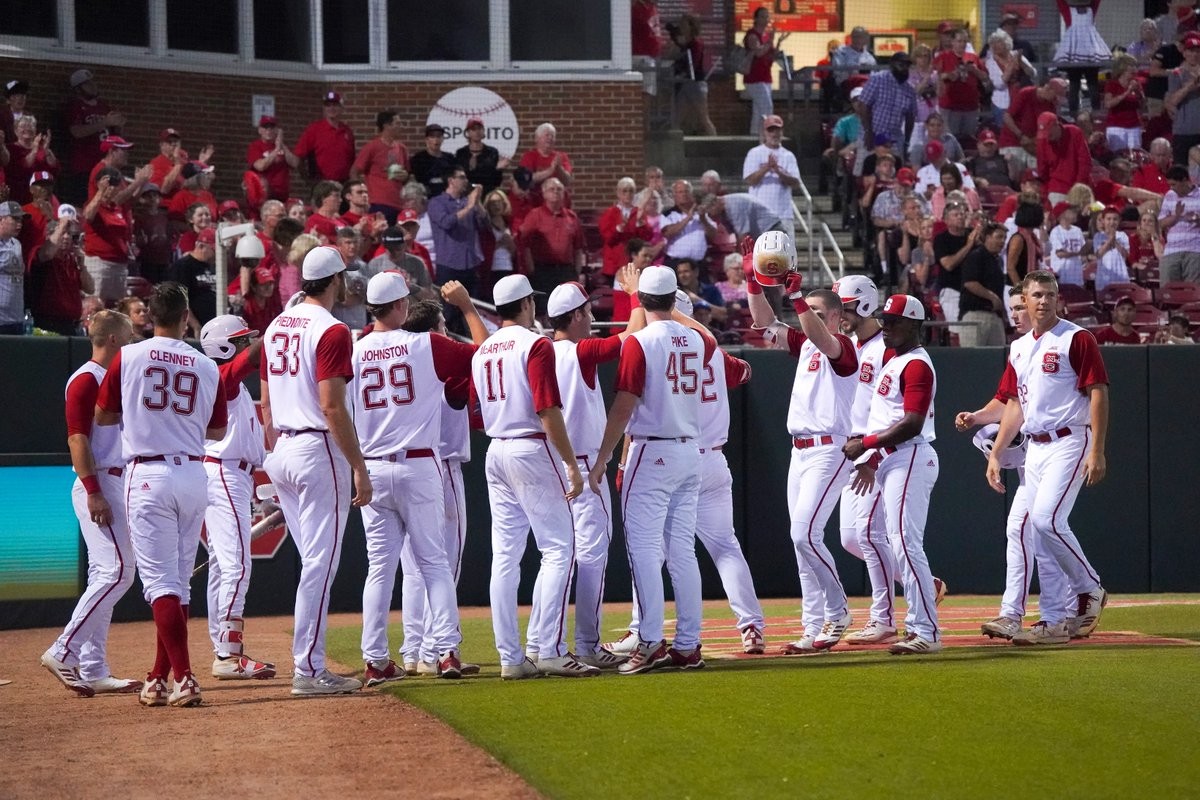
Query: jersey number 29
pixel 399 376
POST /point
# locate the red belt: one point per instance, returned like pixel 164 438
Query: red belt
pixel 816 441
pixel 424 452
pixel 1050 436
pixel 712 449
pixel 244 466
pixel 116 472
pixel 144 459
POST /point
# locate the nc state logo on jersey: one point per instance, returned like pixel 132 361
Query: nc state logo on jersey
pixel 1050 363
pixel 814 363
pixel 867 373
pixel 885 385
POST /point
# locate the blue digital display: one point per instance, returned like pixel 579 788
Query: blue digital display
pixel 39 534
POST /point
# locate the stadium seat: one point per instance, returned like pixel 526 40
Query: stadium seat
pixel 137 286
pixel 1191 311
pixel 1140 295
pixel 1149 275
pixel 1149 319
pixel 1178 293
pixel 1076 300
pixel 602 303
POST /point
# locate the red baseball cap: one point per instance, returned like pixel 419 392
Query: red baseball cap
pixel 1046 121
pixel 1060 209
pixel 114 141
pixel 934 150
pixel 168 133
pixel 946 26
pixel 408 215
pixel 267 121
pixel 333 97
pixel 227 206
pixel 264 275
pixel 207 236
pixel 986 135
pixel 906 176
pixel 1191 41
pixel 473 121
pixel 1030 176
pixel 904 305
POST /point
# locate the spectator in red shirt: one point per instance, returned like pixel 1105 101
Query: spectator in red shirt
pixel 619 223
pixel 1030 186
pixel 1152 176
pixel 41 209
pixel 90 120
pixel 167 166
pixel 261 302
pixel 1115 191
pixel 544 162
pixel 553 236
pixel 643 17
pixel 108 228
pixel 328 143
pixel 383 163
pixel 1125 101
pixel 959 74
pixel 28 155
pixel 197 186
pixel 152 234
pixel 1018 132
pixel 1121 330
pixel 324 220
pixel 410 222
pixel 269 156
pixel 116 156
pixel 199 217
pixel 57 278
pixel 1063 157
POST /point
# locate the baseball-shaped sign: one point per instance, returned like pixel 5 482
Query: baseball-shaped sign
pixel 456 108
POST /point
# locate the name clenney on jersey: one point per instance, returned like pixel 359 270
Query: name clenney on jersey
pixel 384 353
pixel 497 347
pixel 172 358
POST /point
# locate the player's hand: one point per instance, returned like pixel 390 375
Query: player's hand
pixel 596 475
pixel 993 475
pixel 853 448
pixel 1095 467
pixel 99 509
pixel 620 478
pixel 792 285
pixel 964 420
pixel 362 488
pixel 576 481
pixel 456 294
pixel 864 479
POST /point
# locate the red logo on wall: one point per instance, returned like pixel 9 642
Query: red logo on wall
pixel 885 385
pixel 867 373
pixel 1050 363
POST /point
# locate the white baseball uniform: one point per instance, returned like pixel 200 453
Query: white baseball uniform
pixel 663 364
pixel 110 555
pixel 455 450
pixel 864 532
pixel 513 377
pixel 302 347
pixel 397 397
pixel 905 478
pixel 1050 374
pixel 230 465
pixel 819 423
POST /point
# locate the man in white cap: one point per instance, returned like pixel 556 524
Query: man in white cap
pixel 897 463
pixel 771 172
pixel 230 464
pixel 90 121
pixel 316 459
pixel 396 398
pixel 659 382
pixel 529 486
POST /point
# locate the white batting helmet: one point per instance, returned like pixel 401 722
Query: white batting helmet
pixel 683 303
pixel 249 246
pixel 774 257
pixel 216 334
pixel 1010 457
pixel 860 288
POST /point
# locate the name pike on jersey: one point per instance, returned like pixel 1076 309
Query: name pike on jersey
pixel 172 358
pixel 383 354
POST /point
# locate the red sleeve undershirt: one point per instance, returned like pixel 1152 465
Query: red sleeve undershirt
pixel 594 352
pixel 333 354
pixel 220 416
pixel 737 371
pixel 81 404
pixel 847 362
pixel 1086 361
pixel 451 359
pixel 234 371
pixel 543 381
pixel 458 392
pixel 795 340
pixel 916 384
pixel 1007 390
pixel 631 370
pixel 109 397
pixel 710 345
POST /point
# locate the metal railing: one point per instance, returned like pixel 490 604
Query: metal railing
pixel 827 236
pixel 804 220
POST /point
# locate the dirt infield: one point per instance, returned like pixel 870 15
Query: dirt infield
pixel 248 739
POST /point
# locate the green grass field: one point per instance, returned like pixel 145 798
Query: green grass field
pixel 1086 720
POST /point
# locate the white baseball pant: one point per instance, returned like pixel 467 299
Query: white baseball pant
pixel 419 644
pixel 864 535
pixel 110 574
pixel 815 480
pixel 1053 477
pixel 164 503
pixel 312 479
pixel 526 489
pixel 407 508
pixel 1020 555
pixel 658 506
pixel 227 521
pixel 904 481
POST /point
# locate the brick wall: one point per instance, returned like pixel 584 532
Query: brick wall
pixel 599 123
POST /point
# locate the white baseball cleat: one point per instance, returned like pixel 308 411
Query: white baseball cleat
pixel 603 659
pixel 874 632
pixel 427 668
pixel 241 668
pixel 519 672
pixel 67 675
pixel 802 646
pixel 567 666
pixel 1043 632
pixel 325 683
pixel 625 646
pixel 111 685
pixel 1091 606
pixel 753 642
pixel 647 657
pixel 1001 628
pixel 154 692
pixel 914 645
pixel 832 631
pixel 410 667
pixel 187 693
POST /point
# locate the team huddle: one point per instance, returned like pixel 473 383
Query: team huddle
pixel 163 439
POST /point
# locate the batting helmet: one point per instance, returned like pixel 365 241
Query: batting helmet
pixel 774 257
pixel 250 246
pixel 216 334
pixel 860 288
pixel 683 303
pixel 1010 457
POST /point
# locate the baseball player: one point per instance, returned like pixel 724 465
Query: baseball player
pixel 577 355
pixel 304 372
pixel 513 377
pixel 396 397
pixel 419 649
pixel 659 380
pixel 168 399
pixel 819 422
pixel 1058 377
pixel 230 465
pixel 905 467
pixel 77 657
pixel 1019 552
pixel 714 506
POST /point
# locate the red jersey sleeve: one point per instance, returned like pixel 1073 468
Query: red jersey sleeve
pixel 1086 361
pixel 220 416
pixel 737 371
pixel 333 354
pixel 1007 390
pixel 451 359
pixel 795 340
pixel 543 380
pixel 234 371
pixel 109 396
pixel 847 362
pixel 631 370
pixel 81 404
pixel 458 392
pixel 916 384
pixel 596 351
pixel 710 344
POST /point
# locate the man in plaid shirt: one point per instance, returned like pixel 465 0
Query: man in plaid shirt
pixel 888 104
